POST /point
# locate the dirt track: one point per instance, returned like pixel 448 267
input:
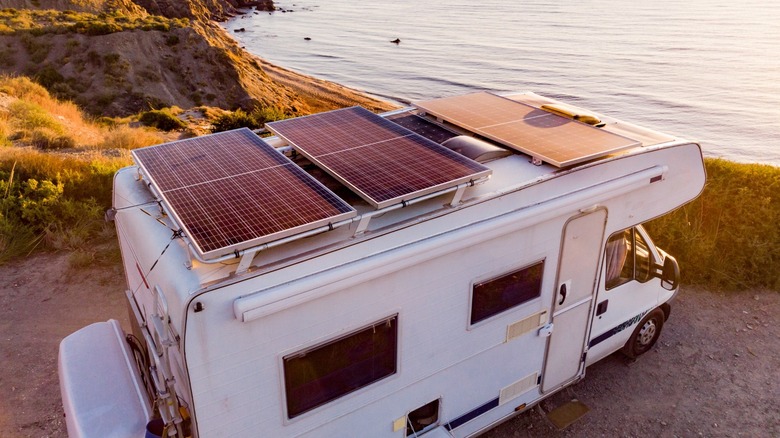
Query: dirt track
pixel 714 372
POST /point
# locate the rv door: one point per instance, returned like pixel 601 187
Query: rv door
pixel 575 286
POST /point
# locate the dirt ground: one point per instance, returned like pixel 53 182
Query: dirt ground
pixel 715 371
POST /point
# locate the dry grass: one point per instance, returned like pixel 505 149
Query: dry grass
pixel 125 137
pixel 28 113
pixel 28 106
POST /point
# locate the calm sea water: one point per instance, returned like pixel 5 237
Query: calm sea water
pixel 706 70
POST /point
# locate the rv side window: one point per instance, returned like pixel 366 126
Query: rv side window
pixel 499 294
pixel 328 371
pixel 627 258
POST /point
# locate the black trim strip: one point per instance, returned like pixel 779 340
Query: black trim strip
pixel 465 418
pixel 615 330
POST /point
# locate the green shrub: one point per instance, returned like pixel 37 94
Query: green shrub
pixel 163 119
pixel 36 47
pixel 254 120
pixel 234 120
pixel 269 114
pixel 728 238
pixel 48 76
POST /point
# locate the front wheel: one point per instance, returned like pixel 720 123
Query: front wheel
pixel 645 335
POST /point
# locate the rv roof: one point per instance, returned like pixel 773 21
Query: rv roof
pixel 381 161
pixel 231 191
pixel 543 135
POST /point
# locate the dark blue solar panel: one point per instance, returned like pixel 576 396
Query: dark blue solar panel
pixel 379 160
pixel 231 191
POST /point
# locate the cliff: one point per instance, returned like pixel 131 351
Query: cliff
pixel 119 57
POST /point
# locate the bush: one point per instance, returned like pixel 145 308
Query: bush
pixel 48 76
pixel 33 211
pixel 162 119
pixel 47 139
pixel 23 88
pixel 30 116
pixel 728 238
pixel 269 114
pixel 234 120
pixel 254 120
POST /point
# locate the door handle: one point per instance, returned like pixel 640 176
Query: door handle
pixel 562 293
pixel 602 307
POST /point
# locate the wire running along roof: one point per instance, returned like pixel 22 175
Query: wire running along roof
pixel 379 160
pixel 550 137
pixel 231 190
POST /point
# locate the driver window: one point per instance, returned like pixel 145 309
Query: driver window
pixel 627 258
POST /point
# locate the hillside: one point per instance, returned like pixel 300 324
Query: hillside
pixel 119 57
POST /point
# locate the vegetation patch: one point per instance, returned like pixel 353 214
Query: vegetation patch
pixel 42 22
pixel 51 202
pixel 56 200
pixel 164 119
pixel 728 238
pixel 252 120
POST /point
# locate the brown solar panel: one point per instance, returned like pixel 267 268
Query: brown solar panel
pixel 230 191
pixel 379 160
pixel 549 137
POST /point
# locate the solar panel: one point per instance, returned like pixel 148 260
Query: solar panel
pixel 230 191
pixel 549 137
pixel 379 160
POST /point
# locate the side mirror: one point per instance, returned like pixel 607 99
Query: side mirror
pixel 670 273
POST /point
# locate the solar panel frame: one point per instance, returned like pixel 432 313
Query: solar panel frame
pixel 550 137
pixel 232 191
pixel 379 160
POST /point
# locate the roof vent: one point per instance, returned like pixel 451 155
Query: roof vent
pixel 475 148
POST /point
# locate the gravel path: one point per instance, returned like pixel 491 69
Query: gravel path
pixel 715 371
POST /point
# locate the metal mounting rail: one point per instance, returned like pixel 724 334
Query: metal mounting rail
pixel 247 255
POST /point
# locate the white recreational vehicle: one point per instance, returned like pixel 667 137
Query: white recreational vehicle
pixel 430 271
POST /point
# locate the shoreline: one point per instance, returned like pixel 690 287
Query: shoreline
pixel 320 94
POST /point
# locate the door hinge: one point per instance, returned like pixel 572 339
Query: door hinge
pixel 584 356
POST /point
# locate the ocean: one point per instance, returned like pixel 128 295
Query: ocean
pixel 705 70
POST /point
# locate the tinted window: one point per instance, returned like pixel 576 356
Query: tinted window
pixel 320 374
pixel 494 296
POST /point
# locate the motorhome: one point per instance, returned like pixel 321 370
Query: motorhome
pixel 431 271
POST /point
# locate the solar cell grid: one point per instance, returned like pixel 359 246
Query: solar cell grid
pixel 379 160
pixel 231 190
pixel 552 138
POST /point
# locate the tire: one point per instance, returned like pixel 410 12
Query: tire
pixel 645 335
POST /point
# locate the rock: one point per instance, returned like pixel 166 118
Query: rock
pixel 396 41
pixel 307 38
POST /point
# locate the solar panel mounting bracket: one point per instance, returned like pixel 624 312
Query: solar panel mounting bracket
pixel 458 195
pixel 246 260
pixel 362 224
